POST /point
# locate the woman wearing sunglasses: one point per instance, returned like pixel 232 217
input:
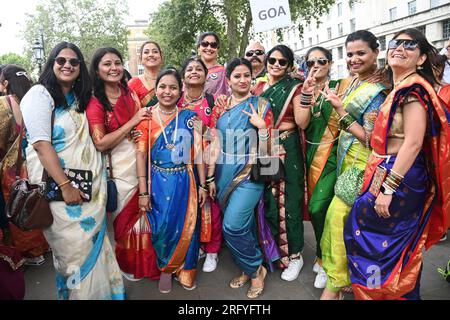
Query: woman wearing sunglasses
pixel 357 110
pixel 83 256
pixel 208 45
pixel 15 83
pixel 284 200
pixel 322 133
pixel 405 195
pixel 144 85
pixel 113 113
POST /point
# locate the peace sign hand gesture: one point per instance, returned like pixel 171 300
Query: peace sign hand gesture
pixel 332 97
pixel 255 119
pixel 310 83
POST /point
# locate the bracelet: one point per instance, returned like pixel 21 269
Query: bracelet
pixel 210 179
pixel 144 194
pixel 346 121
pixel 203 187
pixel 398 175
pixel 366 136
pixel 264 137
pixel 142 176
pixel 348 128
pixel 64 183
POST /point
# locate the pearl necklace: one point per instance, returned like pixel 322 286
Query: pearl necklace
pixel 169 146
pixel 167 113
pixel 189 101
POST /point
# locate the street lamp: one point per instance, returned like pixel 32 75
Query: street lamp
pixel 38 53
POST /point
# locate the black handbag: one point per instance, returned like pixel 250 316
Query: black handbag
pixel 111 195
pixel 270 169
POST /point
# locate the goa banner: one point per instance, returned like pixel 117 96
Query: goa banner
pixel 268 14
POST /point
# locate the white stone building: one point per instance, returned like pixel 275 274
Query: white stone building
pixel 382 17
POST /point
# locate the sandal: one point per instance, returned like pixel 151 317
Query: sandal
pixel 238 282
pixel 255 292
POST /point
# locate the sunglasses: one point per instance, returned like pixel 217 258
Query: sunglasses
pixel 321 61
pixel 410 45
pixel 213 45
pixel 281 62
pixel 62 61
pixel 252 52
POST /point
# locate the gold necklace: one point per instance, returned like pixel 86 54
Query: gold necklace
pixel 233 101
pixel 403 79
pixel 169 146
pixel 167 113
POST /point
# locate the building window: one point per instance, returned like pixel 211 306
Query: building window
pixel 382 40
pixel 412 7
pixel 340 53
pixel 339 8
pixel 309 27
pixel 317 38
pixel 446 29
pixel 329 33
pixel 352 7
pixel 328 17
pixel 352 25
pixel 340 29
pixel 393 13
pixel 310 41
pixel 434 3
pixel 340 72
pixel 381 63
pixel 303 44
pixel 421 29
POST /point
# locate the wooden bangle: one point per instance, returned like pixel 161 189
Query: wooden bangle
pixel 64 183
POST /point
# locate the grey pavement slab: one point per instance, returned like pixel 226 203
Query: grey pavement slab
pixel 40 281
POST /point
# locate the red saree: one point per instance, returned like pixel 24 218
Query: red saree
pixel 134 250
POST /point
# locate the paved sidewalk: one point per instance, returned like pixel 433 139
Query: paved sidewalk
pixel 40 281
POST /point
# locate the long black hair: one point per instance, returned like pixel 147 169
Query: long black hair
pixel 431 67
pixel 97 84
pixel 81 85
pixel 18 80
pixel 364 35
pixel 236 62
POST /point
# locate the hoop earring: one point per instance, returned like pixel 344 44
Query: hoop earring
pixel 419 67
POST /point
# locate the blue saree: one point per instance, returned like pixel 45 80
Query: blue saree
pixel 174 217
pixel 237 194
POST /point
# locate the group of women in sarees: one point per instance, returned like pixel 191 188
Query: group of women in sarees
pixel 365 159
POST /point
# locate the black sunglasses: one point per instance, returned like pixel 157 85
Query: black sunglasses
pixel 62 61
pixel 410 45
pixel 213 45
pixel 252 52
pixel 321 61
pixel 281 62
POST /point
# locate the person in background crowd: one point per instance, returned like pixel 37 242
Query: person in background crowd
pixel 446 51
pixel 144 85
pixel 256 54
pixel 405 196
pixel 208 45
pixel 237 194
pixel 284 206
pixel 113 113
pixel 78 236
pixel 357 111
pixel 12 279
pixel 14 84
pixel 322 133
pixel 167 183
pixel 194 73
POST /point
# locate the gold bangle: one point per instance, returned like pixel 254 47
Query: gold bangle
pixel 64 183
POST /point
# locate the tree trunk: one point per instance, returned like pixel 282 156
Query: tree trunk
pixel 244 40
pixel 231 28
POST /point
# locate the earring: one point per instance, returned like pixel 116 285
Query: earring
pixel 419 67
pixel 386 67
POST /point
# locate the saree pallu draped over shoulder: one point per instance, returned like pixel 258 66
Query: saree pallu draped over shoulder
pixel 385 255
pixel 145 94
pixel 175 215
pixel 84 259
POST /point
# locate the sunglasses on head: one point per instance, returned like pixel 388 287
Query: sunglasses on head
pixel 213 45
pixel 407 44
pixel 62 61
pixel 252 52
pixel 281 62
pixel 311 62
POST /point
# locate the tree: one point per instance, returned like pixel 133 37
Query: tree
pixel 177 23
pixel 13 58
pixel 89 24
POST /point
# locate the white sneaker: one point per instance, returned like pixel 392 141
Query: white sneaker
pixel 321 279
pixel 210 262
pixel 35 261
pixel 293 269
pixel 316 267
pixel 129 276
